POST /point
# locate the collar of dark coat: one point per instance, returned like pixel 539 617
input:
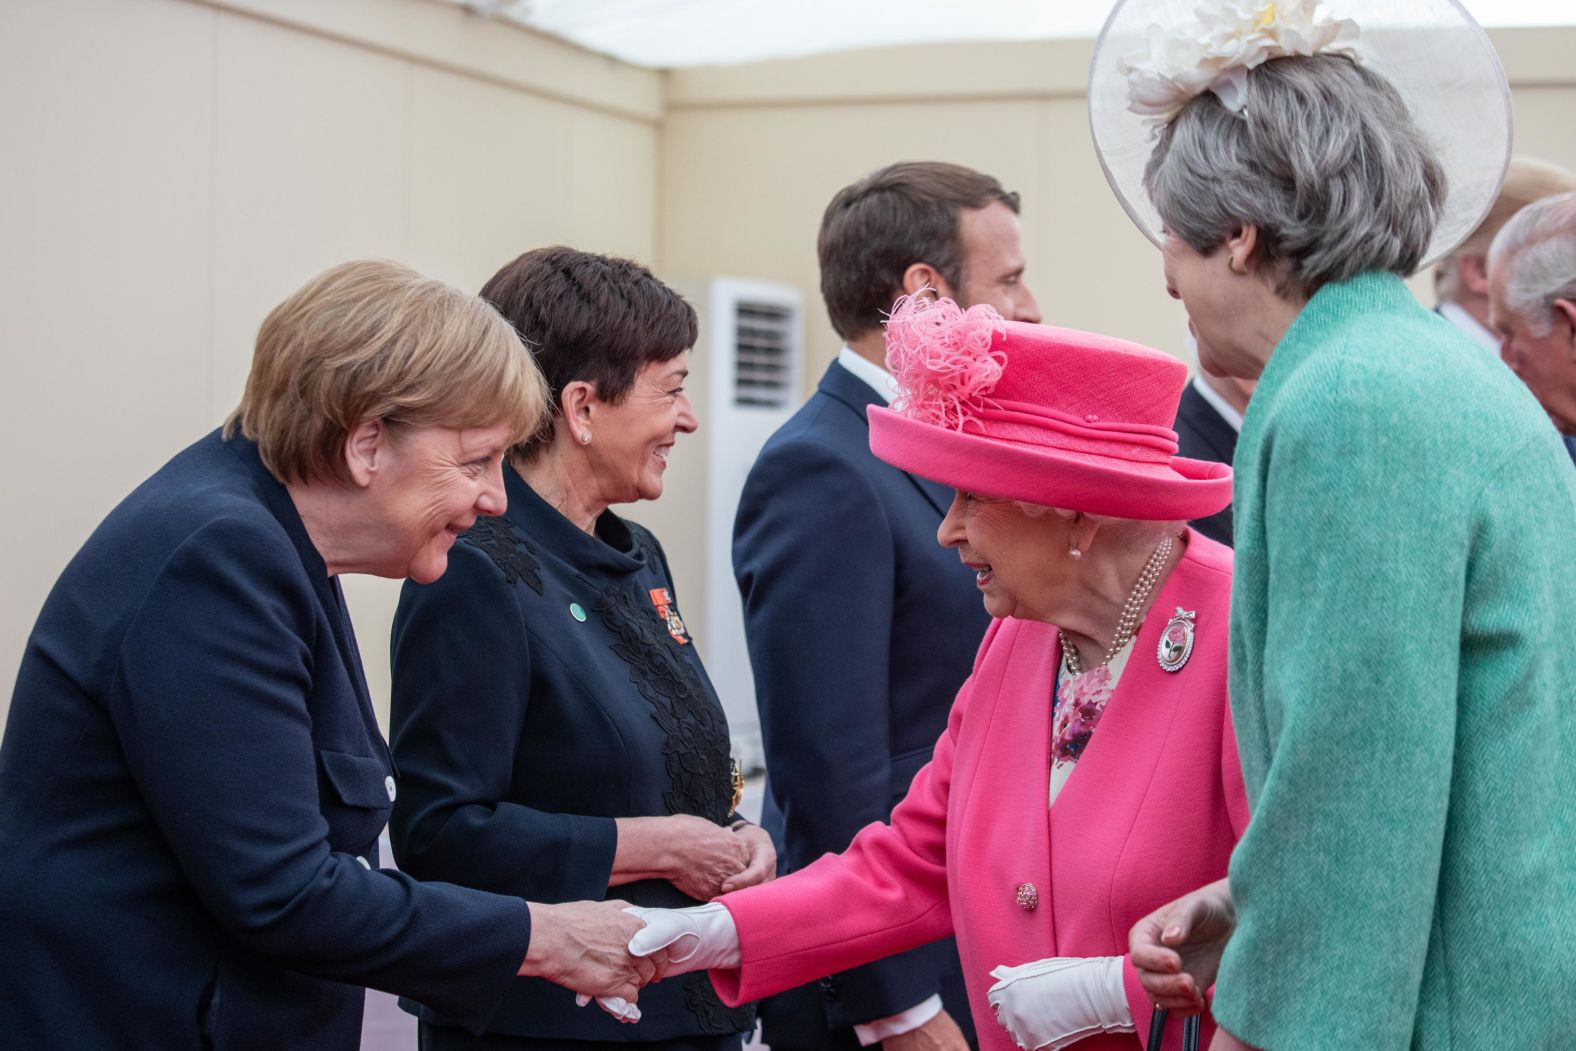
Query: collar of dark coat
pixel 849 389
pixel 841 385
pixel 277 499
pixel 612 551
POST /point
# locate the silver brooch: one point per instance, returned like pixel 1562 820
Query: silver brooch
pixel 1176 641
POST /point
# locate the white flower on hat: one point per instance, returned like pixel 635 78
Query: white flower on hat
pixel 1215 54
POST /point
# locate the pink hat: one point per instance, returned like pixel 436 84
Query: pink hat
pixel 1050 416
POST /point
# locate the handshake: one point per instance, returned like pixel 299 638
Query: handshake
pixel 610 950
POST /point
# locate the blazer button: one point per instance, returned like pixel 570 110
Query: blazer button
pixel 1028 897
pixel 829 989
pixel 388 783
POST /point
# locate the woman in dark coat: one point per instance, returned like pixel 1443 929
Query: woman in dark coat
pixel 590 754
pixel 192 781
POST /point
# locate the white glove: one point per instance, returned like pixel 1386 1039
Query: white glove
pixel 713 941
pixel 1051 1004
pixel 616 1006
pixel 697 939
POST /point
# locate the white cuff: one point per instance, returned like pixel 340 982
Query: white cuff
pixel 900 1023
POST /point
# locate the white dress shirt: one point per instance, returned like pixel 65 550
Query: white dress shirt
pixel 1228 412
pixel 876 377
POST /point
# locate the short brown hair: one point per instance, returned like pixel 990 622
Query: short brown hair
pixel 375 340
pixel 588 317
pixel 876 229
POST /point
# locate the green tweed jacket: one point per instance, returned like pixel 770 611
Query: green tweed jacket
pixel 1403 662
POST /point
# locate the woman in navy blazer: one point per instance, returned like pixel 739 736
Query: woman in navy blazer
pixel 557 734
pixel 192 781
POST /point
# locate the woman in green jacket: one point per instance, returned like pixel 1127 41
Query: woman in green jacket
pixel 1403 669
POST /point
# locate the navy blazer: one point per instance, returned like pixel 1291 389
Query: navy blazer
pixel 191 788
pixel 1203 434
pixel 861 628
pixel 543 688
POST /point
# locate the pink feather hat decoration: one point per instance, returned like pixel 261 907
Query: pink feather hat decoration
pixel 1050 416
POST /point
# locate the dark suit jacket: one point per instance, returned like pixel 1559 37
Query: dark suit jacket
pixel 1203 434
pixel 1570 445
pixel 191 789
pixel 539 694
pixel 860 628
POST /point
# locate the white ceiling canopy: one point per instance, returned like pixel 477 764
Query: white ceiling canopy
pixel 669 34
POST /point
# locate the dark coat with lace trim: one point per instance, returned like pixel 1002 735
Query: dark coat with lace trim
pixel 539 694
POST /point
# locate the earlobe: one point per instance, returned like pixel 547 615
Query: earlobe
pixel 920 276
pixel 575 403
pixel 1081 530
pixel 364 449
pixel 1240 246
pixel 1471 271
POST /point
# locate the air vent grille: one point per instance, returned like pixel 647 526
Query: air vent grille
pixel 763 336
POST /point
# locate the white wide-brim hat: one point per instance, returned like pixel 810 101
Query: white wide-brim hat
pixel 1432 51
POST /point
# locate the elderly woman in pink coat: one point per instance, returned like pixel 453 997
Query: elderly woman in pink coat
pixel 1088 773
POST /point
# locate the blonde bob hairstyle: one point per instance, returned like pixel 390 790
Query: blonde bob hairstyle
pixel 375 340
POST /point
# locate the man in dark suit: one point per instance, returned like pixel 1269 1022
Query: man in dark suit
pixel 1209 418
pixel 860 626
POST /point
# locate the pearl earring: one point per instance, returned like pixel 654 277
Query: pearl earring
pixel 585 437
pixel 1074 553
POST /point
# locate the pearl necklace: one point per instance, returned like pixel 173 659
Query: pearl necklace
pixel 1128 622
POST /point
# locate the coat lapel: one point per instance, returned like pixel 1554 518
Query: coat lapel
pixel 843 386
pixel 1130 737
pixel 1005 836
pixel 330 597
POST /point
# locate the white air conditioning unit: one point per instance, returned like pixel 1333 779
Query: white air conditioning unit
pixel 755 380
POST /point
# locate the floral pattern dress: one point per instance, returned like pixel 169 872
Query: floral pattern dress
pixel 1079 702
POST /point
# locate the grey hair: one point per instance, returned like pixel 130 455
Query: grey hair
pixel 1326 162
pixel 1538 249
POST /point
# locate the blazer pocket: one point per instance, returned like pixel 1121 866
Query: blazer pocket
pixel 360 780
pixel 361 809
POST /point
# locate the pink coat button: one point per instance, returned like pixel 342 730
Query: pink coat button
pixel 1028 897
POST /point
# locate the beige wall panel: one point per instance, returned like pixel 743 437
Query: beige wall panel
pixel 744 189
pixel 975 70
pixel 1545 119
pixel 449 36
pixel 309 167
pixel 103 271
pixel 1097 270
pixel 612 168
pixel 487 178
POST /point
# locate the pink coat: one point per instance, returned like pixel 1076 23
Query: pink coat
pixel 1151 812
